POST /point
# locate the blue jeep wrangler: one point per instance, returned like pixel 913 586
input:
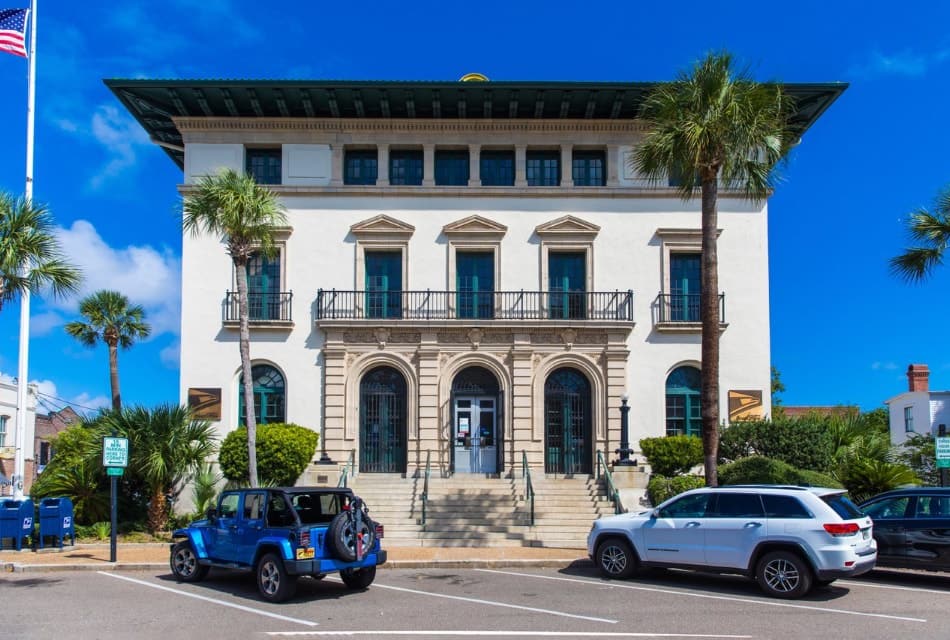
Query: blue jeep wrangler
pixel 280 534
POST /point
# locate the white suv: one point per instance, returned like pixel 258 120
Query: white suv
pixel 786 538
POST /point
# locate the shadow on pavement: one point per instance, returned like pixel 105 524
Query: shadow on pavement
pixel 243 584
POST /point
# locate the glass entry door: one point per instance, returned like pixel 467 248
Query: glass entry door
pixel 474 434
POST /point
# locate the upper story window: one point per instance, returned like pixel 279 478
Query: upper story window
pixel 383 271
pixel 405 167
pixel 908 419
pixel 676 179
pixel 588 168
pixel 263 287
pixel 567 278
pixel 543 168
pixel 684 287
pixel 451 168
pixel 360 166
pixel 263 165
pixel 3 429
pixel 475 283
pixel 498 168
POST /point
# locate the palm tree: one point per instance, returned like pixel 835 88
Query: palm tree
pixel 31 258
pixel 932 230
pixel 247 215
pixel 167 447
pixel 714 125
pixel 111 319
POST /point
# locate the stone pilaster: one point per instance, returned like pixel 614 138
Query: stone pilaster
pixel 428 165
pixel 521 159
pixel 567 165
pixel 336 164
pixel 382 169
pixel 474 165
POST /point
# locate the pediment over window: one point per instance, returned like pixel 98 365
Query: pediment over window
pixel 475 226
pixel 382 227
pixel 568 226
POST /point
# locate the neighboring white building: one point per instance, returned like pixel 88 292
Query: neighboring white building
pixel 8 426
pixel 918 410
pixel 471 270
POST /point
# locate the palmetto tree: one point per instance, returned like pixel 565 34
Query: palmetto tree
pixel 708 127
pixel 931 229
pixel 30 255
pixel 111 319
pixel 247 215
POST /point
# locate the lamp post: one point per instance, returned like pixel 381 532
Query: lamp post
pixel 624 450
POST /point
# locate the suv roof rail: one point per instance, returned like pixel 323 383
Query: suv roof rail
pixel 792 487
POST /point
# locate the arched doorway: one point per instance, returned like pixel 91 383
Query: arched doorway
pixel 383 423
pixel 683 414
pixel 476 404
pixel 567 423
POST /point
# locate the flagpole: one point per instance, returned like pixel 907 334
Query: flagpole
pixel 19 462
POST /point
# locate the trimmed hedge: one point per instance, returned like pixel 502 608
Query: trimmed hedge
pixel 283 452
pixel 762 470
pixel 672 455
pixel 804 443
pixel 661 488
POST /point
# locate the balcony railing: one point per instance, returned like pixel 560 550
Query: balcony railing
pixel 679 307
pixel 481 305
pixel 261 307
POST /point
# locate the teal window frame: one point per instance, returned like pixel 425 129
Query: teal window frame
pixel 3 429
pixel 383 274
pixel 405 167
pixel 685 281
pixel 683 408
pixel 263 287
pixel 589 168
pixel 475 284
pixel 451 168
pixel 543 168
pixel 360 166
pixel 567 282
pixel 270 401
pixel 264 165
pixel 497 168
pixel 908 419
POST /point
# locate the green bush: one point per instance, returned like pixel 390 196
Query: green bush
pixel 672 455
pixel 762 470
pixel 283 452
pixel 865 478
pixel 804 443
pixel 661 488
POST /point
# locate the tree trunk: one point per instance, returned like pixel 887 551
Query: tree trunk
pixel 114 375
pixel 709 313
pixel 157 511
pixel 240 265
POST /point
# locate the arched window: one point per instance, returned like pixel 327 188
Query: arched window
pixel 269 401
pixel 383 422
pixel 568 427
pixel 683 416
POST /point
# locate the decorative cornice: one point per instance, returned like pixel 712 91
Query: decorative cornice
pixel 382 225
pixel 683 235
pixel 567 226
pixel 475 225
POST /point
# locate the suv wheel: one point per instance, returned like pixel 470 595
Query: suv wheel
pixel 782 574
pixel 184 563
pixel 616 559
pixel 358 578
pixel 343 535
pixel 273 581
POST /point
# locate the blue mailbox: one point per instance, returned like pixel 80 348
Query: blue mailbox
pixel 56 520
pixel 16 521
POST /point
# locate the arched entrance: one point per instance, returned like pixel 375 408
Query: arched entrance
pixel 567 423
pixel 383 423
pixel 476 403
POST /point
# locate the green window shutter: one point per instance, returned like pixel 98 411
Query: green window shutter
pixel 567 280
pixel 383 284
pixel 475 284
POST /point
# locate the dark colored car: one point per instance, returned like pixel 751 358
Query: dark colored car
pixel 912 527
pixel 281 534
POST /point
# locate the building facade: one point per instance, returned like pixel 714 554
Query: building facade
pixel 472 275
pixel 918 411
pixel 8 439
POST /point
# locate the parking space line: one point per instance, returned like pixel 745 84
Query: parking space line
pixel 307 623
pixel 492 603
pixel 508 634
pixel 766 603
pixel 897 587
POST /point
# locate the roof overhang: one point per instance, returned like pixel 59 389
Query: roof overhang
pixel 155 103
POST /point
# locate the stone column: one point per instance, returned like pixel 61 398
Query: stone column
pixel 474 165
pixel 336 164
pixel 521 152
pixel 382 169
pixel 613 160
pixel 428 434
pixel 428 165
pixel 339 440
pixel 523 434
pixel 567 165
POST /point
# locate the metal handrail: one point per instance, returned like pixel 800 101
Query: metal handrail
pixel 612 491
pixel 276 306
pixel 425 486
pixel 528 486
pixel 347 469
pixel 684 307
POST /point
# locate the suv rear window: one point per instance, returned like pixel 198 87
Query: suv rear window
pixel 784 507
pixel 843 506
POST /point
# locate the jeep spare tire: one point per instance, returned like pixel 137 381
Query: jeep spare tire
pixel 343 535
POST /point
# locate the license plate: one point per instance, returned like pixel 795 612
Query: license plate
pixel 305 554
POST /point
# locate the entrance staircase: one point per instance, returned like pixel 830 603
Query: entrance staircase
pixel 469 510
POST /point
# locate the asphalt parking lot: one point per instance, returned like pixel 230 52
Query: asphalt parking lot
pixel 452 603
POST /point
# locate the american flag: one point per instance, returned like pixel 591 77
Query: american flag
pixel 13 31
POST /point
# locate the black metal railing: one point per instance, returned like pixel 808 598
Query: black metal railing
pixel 680 307
pixel 261 307
pixel 528 486
pixel 612 492
pixel 455 305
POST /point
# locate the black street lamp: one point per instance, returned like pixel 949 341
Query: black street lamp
pixel 624 451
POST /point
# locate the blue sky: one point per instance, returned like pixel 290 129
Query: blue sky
pixel 843 329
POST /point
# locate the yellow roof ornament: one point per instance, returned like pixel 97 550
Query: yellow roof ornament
pixel 474 77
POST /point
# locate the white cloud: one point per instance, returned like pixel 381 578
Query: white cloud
pixel 171 355
pixel 121 136
pixel 147 276
pixel 42 324
pixel 904 63
pixel 883 366
pixel 50 399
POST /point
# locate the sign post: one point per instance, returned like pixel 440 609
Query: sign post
pixel 115 458
pixel 943 453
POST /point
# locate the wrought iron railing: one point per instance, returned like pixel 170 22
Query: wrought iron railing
pixel 261 307
pixel 347 469
pixel 680 307
pixel 612 492
pixel 528 486
pixel 425 487
pixel 495 305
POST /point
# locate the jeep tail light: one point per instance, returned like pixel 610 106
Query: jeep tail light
pixel 842 528
pixel 379 530
pixel 305 538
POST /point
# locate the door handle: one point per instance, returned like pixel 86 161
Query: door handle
pixel 693 524
pixel 749 525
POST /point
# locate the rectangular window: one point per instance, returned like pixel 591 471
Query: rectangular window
pixel 360 167
pixel 684 287
pixel 588 168
pixel 383 284
pixel 683 416
pixel 543 168
pixel 475 284
pixel 405 167
pixel 46 452
pixel 567 278
pixel 3 429
pixel 498 168
pixel 908 419
pixel 451 168
pixel 253 506
pixel 263 288
pixel 263 165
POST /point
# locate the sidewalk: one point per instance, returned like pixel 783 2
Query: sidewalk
pixel 154 557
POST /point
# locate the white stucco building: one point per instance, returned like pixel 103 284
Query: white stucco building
pixel 470 270
pixel 918 410
pixel 8 435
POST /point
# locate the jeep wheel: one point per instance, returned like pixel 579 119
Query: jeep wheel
pixel 273 581
pixel 782 574
pixel 358 578
pixel 615 558
pixel 343 535
pixel 184 563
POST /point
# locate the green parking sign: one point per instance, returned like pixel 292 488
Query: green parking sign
pixel 115 452
pixel 943 452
